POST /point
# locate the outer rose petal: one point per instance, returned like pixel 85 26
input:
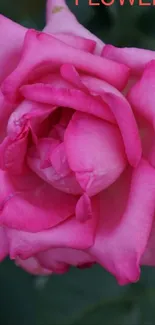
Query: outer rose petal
pixel 142 95
pixel 52 53
pixel 4 247
pixel 29 204
pixel 76 41
pixel 134 58
pixel 11 41
pixel 69 234
pixel 58 259
pixel 142 98
pixel 33 266
pixel 57 11
pixel 148 257
pixel 124 228
pixel 95 152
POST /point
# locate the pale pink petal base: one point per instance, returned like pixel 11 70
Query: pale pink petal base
pixel 59 259
pixel 32 266
pixel 58 11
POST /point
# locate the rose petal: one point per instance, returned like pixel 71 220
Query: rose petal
pixel 119 106
pixel 78 42
pixel 52 53
pixel 69 234
pixel 128 127
pixel 58 259
pixel 57 11
pixel 44 148
pixel 83 208
pixel 28 113
pixel 125 223
pixel 147 137
pixel 59 160
pixel 10 149
pixel 11 41
pixel 27 203
pixel 70 74
pixel 136 59
pixel 148 258
pixel 27 117
pixel 123 114
pixel 67 97
pixel 95 152
pixel 142 96
pixel 32 266
pixel 56 170
pixel 5 111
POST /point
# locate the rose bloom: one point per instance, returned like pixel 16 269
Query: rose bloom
pixel 77 151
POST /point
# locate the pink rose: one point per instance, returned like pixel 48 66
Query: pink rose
pixel 76 155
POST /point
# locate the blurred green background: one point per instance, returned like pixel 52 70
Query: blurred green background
pixel 90 296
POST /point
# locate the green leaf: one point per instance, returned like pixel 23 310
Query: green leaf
pixel 17 296
pixel 75 294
